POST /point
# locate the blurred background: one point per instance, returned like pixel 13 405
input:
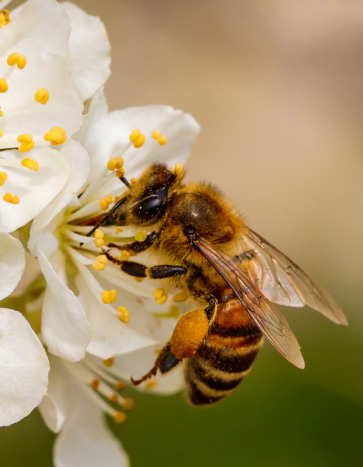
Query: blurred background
pixel 278 90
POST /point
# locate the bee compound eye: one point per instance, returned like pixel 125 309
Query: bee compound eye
pixel 150 207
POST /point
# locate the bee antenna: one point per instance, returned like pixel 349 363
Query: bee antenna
pixel 125 181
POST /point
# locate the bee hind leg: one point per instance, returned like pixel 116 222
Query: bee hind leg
pixel 165 362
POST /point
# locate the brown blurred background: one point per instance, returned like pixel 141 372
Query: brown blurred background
pixel 278 90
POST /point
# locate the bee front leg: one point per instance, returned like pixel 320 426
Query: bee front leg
pixel 137 247
pixel 165 362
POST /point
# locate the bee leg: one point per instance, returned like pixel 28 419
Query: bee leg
pixel 165 362
pixel 137 247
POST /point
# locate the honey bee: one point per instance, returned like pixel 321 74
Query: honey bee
pixel 230 272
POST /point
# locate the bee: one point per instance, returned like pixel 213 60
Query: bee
pixel 231 274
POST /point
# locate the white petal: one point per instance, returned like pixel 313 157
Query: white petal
pixel 65 328
pixel 78 162
pixel 4 3
pixel 12 264
pixel 89 60
pixel 85 440
pixel 35 189
pixel 107 135
pixel 24 368
pixel 55 403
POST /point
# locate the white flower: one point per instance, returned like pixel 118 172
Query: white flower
pixel 50 57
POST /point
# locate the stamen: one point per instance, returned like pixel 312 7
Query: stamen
pixel 156 134
pixel 42 96
pixel 109 296
pixel 115 163
pixel 162 140
pixel 137 138
pixel 1 133
pixel 119 229
pixel 108 362
pixel 125 255
pixel 11 199
pixel 56 136
pixel 120 385
pixel 119 417
pixel 30 164
pixel 95 384
pixel 105 202
pixel 160 296
pixel 101 262
pixel 120 173
pixel 99 242
pixel 3 85
pixel 3 178
pixel 26 141
pixel 140 236
pixel 1 112
pixel 4 18
pixel 128 404
pixel 123 314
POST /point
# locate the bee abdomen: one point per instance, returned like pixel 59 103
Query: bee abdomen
pixel 220 365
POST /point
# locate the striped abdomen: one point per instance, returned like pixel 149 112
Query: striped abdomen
pixel 225 356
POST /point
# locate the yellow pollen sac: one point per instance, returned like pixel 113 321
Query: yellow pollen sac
pixel 119 229
pixel 137 138
pixel 99 233
pixel 115 163
pixel 160 296
pixel 123 314
pixel 108 198
pixel 151 384
pixel 3 85
pixel 30 164
pixel 1 133
pixel 119 417
pixel 99 242
pixel 4 18
pixel 125 255
pixel 42 96
pixel 105 202
pixel 56 136
pixel 3 178
pixel 13 58
pixel 128 404
pixel 140 236
pixel 120 385
pixel 1 112
pixel 26 141
pixel 113 398
pixel 108 362
pixel 109 296
pixel 95 384
pixel 138 279
pixel 101 262
pixel 11 199
pixel 156 134
pixel 162 140
pixel 120 172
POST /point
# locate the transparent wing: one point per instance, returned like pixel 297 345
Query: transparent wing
pixel 268 319
pixel 283 282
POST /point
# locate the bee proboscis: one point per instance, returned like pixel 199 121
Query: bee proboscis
pixel 231 273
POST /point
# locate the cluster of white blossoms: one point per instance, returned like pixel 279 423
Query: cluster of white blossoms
pixel 73 335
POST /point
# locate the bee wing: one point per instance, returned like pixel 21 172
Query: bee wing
pixel 268 319
pixel 281 280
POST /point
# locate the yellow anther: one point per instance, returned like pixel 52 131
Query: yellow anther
pixel 4 18
pixel 95 384
pixel 120 172
pixel 21 62
pixel 119 417
pixel 3 85
pixel 113 398
pixel 109 296
pixel 109 362
pixel 30 164
pixel 115 163
pixel 151 384
pixel 125 255
pixel 26 141
pixel 116 199
pixel 160 296
pixel 1 133
pixel 102 259
pixel 128 404
pixel 99 233
pixel 3 178
pixel 99 242
pixel 138 279
pixel 180 297
pixel 13 58
pixel 123 314
pixel 119 229
pixel 1 112
pixel 156 134
pixel 108 199
pixel 137 138
pixel 11 199
pixel 134 135
pixel 120 385
pixel 162 140
pixel 98 266
pixel 42 96
pixel 56 136
pixel 140 236
pixel 103 204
